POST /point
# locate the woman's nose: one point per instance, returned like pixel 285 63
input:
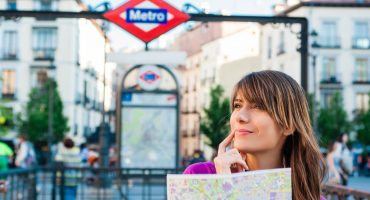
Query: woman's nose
pixel 242 116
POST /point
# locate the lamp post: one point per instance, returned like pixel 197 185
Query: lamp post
pixel 103 134
pixel 51 75
pixel 314 45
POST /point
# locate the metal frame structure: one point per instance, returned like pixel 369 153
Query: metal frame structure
pixel 119 107
pixel 302 34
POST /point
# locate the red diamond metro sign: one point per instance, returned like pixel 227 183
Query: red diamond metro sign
pixel 146 19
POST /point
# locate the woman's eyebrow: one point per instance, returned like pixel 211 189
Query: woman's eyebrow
pixel 238 100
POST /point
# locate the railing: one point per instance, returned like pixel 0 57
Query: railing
pixel 361 78
pixel 342 193
pixel 9 55
pixel 332 42
pixel 330 78
pixel 44 53
pixel 50 183
pixel 361 42
pixel 109 183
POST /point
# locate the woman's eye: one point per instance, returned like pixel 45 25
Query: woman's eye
pixel 236 105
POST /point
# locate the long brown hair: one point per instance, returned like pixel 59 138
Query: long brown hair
pixel 284 100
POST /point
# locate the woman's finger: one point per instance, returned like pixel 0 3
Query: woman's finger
pixel 242 163
pixel 222 146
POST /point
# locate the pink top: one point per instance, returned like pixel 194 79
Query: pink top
pixel 207 168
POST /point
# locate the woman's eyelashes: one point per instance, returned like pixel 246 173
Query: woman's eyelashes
pixel 238 105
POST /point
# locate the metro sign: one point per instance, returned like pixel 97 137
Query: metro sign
pixel 149 77
pixel 146 19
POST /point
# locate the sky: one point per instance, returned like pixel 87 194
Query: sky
pixel 121 39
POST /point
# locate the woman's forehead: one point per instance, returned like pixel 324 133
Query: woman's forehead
pixel 240 96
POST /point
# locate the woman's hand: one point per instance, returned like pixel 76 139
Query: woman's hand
pixel 229 161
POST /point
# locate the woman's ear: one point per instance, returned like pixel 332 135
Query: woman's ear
pixel 289 131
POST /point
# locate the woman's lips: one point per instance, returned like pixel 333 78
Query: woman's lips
pixel 243 132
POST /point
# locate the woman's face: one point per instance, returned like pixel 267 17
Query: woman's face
pixel 255 130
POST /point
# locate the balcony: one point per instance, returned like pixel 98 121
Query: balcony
pixel 361 43
pixel 329 42
pixel 44 53
pixel 9 55
pixel 330 79
pixel 361 78
pixel 8 96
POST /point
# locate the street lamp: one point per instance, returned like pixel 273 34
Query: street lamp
pixel 51 76
pixel 314 45
pixel 103 134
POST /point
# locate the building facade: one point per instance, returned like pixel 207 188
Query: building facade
pixel 219 53
pixel 339 49
pixel 72 51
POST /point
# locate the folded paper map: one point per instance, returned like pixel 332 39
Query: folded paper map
pixel 272 184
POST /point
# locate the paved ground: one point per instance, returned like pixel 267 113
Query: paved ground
pixel 360 183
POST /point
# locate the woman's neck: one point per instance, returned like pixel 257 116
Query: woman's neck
pixel 266 160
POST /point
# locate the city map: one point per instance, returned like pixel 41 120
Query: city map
pixel 272 184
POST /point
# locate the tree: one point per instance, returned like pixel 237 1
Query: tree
pixel 362 120
pixel 35 119
pixel 215 123
pixel 6 119
pixel 332 120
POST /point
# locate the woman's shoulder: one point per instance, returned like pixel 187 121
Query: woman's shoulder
pixel 201 168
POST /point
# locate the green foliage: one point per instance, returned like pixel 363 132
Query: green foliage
pixel 332 120
pixel 35 120
pixel 215 123
pixel 6 119
pixel 362 122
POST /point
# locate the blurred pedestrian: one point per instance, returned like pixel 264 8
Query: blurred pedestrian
pixel 344 155
pixel 69 156
pixel 84 153
pixel 198 156
pixel 333 165
pixel 26 156
pixel 5 155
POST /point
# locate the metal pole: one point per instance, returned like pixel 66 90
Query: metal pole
pixel 50 115
pixel 314 94
pixel 304 54
pixel 103 136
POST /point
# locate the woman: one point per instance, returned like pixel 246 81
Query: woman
pixel 333 164
pixel 270 128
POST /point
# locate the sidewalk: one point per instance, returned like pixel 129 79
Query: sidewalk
pixel 359 183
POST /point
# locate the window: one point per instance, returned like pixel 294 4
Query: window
pixel 362 72
pixel 86 99
pixel 327 96
pixel 362 101
pixel 12 4
pixel 269 47
pixel 44 5
pixel 44 43
pixel 329 69
pixel 361 35
pixel 10 45
pixel 281 47
pixel 8 86
pixel 329 36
